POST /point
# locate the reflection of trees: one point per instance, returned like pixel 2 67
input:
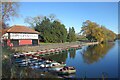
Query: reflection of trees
pixel 118 42
pixel 72 53
pixel 94 53
pixel 61 57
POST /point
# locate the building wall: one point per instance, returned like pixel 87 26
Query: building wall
pixel 25 42
pixel 22 42
pixel 20 39
pixel 23 36
pixel 5 36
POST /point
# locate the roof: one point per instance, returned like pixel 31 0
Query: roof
pixel 21 29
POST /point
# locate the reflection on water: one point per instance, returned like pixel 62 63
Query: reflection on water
pixel 96 52
pixel 58 57
pixel 62 56
pixel 90 60
pixel 90 53
pixel 72 53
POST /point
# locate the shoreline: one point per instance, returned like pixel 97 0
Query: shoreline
pixel 48 46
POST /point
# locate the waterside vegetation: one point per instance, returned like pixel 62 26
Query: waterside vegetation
pixel 53 31
pixel 94 32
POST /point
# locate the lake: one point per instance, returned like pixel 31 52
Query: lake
pixel 92 61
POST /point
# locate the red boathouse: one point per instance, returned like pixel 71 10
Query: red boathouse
pixel 20 35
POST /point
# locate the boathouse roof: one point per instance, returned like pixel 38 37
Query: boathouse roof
pixel 19 29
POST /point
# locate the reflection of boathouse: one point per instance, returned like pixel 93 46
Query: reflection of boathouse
pixel 20 35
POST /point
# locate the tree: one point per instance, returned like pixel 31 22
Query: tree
pixel 71 35
pixel 9 9
pixel 44 28
pixel 51 30
pixel 32 21
pixel 118 36
pixel 59 31
pixel 94 32
pixel 80 37
pixel 89 29
pixel 52 17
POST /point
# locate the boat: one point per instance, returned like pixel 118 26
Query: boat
pixel 41 54
pixel 18 55
pixel 42 66
pixel 56 69
pixel 21 60
pixel 51 64
pixel 47 61
pixel 45 65
pixel 57 66
pixel 18 60
pixel 54 65
pixel 35 66
pixel 23 65
pixel 67 70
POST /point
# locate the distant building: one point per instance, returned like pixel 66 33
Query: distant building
pixel 20 35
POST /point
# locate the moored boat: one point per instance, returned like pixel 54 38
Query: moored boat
pixel 67 70
pixel 57 66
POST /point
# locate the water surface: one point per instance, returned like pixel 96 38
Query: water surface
pixel 92 61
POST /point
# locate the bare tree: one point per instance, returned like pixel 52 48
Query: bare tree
pixel 9 10
pixel 32 21
pixel 52 17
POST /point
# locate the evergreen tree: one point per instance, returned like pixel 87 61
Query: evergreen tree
pixel 51 31
pixel 71 35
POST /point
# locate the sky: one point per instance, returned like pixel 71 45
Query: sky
pixel 71 14
pixel 62 0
